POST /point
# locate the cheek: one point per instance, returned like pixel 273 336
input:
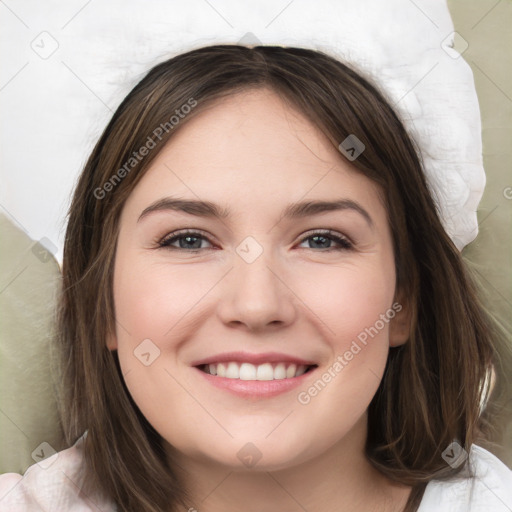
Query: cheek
pixel 152 322
pixel 157 307
pixel 355 309
pixel 155 301
pixel 348 299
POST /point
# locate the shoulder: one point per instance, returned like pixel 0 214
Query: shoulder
pixel 52 484
pixel 489 489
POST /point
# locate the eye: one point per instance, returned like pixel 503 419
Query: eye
pixel 187 240
pixel 191 241
pixel 321 238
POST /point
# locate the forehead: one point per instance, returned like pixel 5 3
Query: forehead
pixel 252 127
pixel 251 150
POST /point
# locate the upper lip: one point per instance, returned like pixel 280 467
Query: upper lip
pixel 247 357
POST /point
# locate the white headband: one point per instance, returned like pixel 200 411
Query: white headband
pixel 405 48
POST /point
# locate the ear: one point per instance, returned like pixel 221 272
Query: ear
pixel 401 324
pixel 111 341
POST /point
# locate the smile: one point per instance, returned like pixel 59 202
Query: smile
pixel 260 372
pixel 254 376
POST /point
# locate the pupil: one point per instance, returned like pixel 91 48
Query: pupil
pixel 187 240
pixel 316 237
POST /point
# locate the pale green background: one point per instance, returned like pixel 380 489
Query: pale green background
pixel 486 26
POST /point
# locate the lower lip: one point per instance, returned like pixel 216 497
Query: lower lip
pixel 256 388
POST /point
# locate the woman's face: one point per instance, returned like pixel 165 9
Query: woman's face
pixel 256 294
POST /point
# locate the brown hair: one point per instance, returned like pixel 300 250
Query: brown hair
pixel 431 388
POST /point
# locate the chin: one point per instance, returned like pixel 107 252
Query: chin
pixel 258 452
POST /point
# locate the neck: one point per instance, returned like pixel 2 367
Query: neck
pixel 339 479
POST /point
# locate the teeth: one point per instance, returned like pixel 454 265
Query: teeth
pixel 290 372
pixel 248 371
pixel 300 370
pixel 221 370
pixel 280 371
pixel 233 372
pixel 265 372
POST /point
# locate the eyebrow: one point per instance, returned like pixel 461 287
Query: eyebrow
pixel 292 211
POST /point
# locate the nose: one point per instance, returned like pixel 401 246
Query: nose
pixel 256 295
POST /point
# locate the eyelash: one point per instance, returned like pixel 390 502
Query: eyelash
pixel 344 242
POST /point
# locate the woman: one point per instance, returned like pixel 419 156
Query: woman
pixel 260 306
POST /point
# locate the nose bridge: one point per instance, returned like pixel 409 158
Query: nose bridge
pixel 257 295
pixel 254 279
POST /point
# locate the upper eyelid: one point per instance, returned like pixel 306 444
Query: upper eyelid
pixel 185 231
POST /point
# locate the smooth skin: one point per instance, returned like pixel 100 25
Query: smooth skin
pixel 254 154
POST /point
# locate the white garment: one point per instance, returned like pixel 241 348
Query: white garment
pixel 489 491
pixel 49 485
